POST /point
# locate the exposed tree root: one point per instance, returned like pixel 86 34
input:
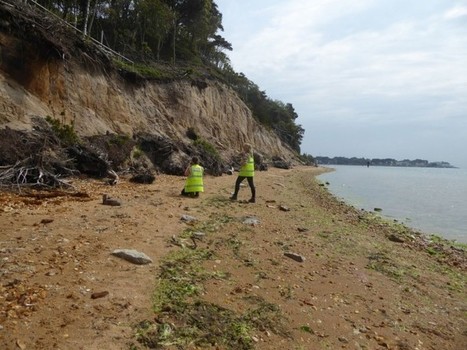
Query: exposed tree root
pixel 25 174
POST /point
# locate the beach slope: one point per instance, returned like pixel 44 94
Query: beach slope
pixel 296 270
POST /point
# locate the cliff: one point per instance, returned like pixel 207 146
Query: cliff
pixel 46 70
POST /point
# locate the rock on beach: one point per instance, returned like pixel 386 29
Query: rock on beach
pixel 132 256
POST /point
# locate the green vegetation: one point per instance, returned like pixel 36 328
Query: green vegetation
pixel 179 279
pixel 186 319
pixel 204 146
pixel 119 140
pixel 66 133
pixel 381 262
pixel 308 159
pixel 278 116
pixel 382 162
pixel 207 147
pixel 137 153
pixel 307 329
pixel 146 71
pixel 219 201
pixel 286 292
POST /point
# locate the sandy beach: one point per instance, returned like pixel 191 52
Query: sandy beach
pixel 296 270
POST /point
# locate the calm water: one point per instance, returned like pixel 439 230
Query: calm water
pixel 429 199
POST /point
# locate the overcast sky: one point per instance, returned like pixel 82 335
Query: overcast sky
pixel 368 78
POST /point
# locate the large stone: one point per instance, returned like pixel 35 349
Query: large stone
pixel 251 220
pixel 132 256
pixel 294 256
pixel 188 218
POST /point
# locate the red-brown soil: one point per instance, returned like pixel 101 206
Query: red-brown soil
pixel 355 289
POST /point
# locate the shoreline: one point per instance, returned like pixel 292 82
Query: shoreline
pixel 360 280
pixel 430 222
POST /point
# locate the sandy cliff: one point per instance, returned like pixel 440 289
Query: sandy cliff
pixel 49 75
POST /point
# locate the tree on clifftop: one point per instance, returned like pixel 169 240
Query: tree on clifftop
pixel 176 31
pixel 162 29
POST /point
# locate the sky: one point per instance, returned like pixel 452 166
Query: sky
pixel 368 78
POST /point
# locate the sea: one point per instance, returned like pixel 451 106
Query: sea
pixel 430 200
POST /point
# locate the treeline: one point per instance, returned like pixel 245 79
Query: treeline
pixel 181 32
pixel 275 114
pixel 421 163
pixel 147 30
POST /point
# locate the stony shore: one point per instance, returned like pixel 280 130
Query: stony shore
pixel 296 270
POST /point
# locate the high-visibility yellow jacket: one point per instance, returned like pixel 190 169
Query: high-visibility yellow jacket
pixel 248 169
pixel 194 182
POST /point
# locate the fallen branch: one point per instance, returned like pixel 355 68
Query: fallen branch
pixel 20 175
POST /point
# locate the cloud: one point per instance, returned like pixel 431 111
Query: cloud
pixel 370 68
pixel 292 31
pixel 456 12
pixel 407 57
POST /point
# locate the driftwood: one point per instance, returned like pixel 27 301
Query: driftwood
pixel 23 174
pixel 114 178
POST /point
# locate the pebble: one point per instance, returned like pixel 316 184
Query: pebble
pixel 99 294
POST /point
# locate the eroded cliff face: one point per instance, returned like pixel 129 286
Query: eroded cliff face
pixel 99 102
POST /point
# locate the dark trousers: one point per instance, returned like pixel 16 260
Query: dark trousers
pixel 189 194
pixel 250 183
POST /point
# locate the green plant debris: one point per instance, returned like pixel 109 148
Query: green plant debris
pixel 266 316
pixel 219 201
pixel 235 244
pixel 286 292
pixel 382 263
pixel 307 329
pixel 210 226
pixel 186 320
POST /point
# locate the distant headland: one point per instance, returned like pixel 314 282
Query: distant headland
pixel 420 163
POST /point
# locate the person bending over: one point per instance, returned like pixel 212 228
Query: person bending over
pixel 194 182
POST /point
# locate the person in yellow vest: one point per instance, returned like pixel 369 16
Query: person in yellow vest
pixel 247 171
pixel 194 182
